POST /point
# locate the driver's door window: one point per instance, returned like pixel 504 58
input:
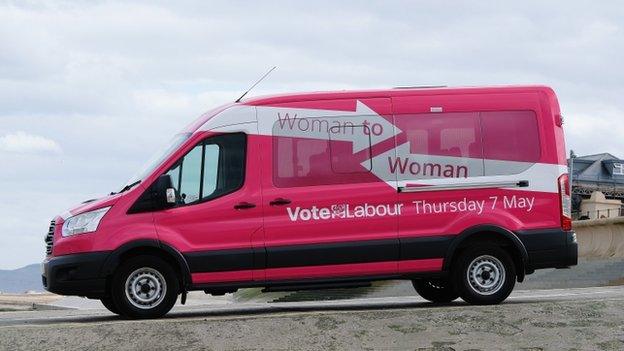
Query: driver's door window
pixel 190 173
pixel 212 168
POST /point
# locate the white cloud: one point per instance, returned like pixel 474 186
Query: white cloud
pixel 22 142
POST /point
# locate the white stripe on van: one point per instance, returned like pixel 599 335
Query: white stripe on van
pixel 541 177
pixel 311 123
pixel 399 168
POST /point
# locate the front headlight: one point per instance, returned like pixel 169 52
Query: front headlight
pixel 83 223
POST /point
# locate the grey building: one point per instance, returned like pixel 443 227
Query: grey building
pixel 600 172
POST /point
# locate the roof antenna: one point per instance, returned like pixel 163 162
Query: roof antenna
pixel 256 83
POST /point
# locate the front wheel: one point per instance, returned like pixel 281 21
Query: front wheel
pixel 484 275
pixel 144 287
pixel 435 290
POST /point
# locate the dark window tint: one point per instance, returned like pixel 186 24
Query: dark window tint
pixel 442 134
pixel 511 136
pixel 324 160
pixel 342 156
pixel 438 145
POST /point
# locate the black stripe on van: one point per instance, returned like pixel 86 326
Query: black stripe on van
pixel 425 247
pixel 333 253
pixel 319 254
pixel 220 260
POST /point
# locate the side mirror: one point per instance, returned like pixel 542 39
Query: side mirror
pixel 163 191
pixel 170 195
pixel 159 196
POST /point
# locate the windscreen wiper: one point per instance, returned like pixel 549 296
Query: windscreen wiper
pixel 127 187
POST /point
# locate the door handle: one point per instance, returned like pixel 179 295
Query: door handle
pixel 244 205
pixel 280 201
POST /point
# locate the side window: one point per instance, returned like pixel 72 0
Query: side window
pixel 213 168
pixel 190 175
pixel 341 153
pixel 322 154
pixel 438 145
pixel 210 169
pixel 510 136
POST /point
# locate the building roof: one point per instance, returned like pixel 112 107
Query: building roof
pixel 599 168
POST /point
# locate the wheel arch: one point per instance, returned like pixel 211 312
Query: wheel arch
pixel 496 234
pixel 149 247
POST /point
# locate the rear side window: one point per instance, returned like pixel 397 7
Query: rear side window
pixel 324 159
pixel 341 153
pixel 442 134
pixel 465 144
pixel 510 136
pixel 439 145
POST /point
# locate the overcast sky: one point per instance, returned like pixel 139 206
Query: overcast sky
pixel 89 90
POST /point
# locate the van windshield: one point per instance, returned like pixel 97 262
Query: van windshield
pixel 157 159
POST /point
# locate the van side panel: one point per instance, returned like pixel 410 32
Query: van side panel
pixel 317 158
pixel 450 140
pixel 428 221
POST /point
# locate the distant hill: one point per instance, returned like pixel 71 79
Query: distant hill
pixel 21 280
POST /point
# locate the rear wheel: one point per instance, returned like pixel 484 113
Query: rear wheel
pixel 144 287
pixel 435 290
pixel 109 304
pixel 484 275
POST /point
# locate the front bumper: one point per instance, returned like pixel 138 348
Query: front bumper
pixel 550 248
pixel 77 274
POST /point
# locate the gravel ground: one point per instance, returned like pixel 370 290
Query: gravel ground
pixel 590 324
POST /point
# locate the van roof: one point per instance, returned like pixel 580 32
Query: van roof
pixel 393 92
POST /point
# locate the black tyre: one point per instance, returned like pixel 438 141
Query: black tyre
pixel 109 304
pixel 435 290
pixel 484 275
pixel 144 287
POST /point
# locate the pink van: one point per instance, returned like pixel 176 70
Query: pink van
pixel 463 191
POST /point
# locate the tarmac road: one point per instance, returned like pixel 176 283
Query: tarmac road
pixel 584 318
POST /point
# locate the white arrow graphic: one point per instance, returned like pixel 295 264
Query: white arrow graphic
pixel 363 127
pixel 400 165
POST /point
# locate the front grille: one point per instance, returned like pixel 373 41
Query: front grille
pixel 49 238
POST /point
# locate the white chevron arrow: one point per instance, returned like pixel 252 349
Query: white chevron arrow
pixel 363 127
